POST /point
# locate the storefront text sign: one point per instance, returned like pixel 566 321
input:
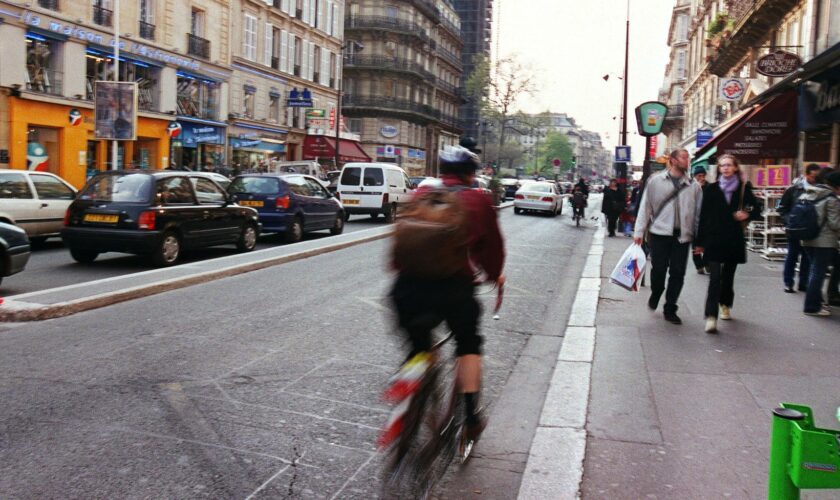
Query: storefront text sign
pixel 703 137
pixel 779 63
pixel 769 132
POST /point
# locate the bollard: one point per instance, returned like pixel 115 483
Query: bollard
pixel 780 486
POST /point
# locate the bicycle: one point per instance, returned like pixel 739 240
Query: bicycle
pixel 432 415
pixel 577 215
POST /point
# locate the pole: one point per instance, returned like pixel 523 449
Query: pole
pixel 115 146
pixel 338 116
pixel 622 178
pixel 779 484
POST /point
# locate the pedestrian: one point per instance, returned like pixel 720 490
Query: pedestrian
pixel 699 174
pixel 794 245
pixel 727 206
pixel 669 212
pixel 612 205
pixel 822 249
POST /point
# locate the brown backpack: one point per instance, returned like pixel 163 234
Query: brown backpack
pixel 431 239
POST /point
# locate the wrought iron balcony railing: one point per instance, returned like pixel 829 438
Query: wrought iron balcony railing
pixel 197 46
pixel 386 23
pixel 403 105
pixel 44 80
pixel 48 4
pixel 102 16
pixel 388 63
pixel 147 30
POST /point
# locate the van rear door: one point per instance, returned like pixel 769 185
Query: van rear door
pixel 373 186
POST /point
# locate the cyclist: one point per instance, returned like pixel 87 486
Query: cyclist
pixel 578 202
pixel 422 303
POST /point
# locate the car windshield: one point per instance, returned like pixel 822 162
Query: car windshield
pixel 538 188
pixel 255 185
pixel 130 188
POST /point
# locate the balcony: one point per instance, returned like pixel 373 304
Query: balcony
pixel 754 20
pixel 48 4
pixel 44 80
pixel 447 87
pixel 197 46
pixel 102 16
pixel 387 63
pixel 428 8
pixel 191 106
pixel 675 112
pixel 387 104
pixel 453 30
pixel 388 24
pixel 449 57
pixel 147 31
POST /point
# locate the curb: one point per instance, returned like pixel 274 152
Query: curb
pixel 12 311
pixel 555 460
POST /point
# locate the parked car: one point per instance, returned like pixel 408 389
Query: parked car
pixel 373 188
pixel 158 213
pixel 288 203
pixel 14 250
pixel 538 197
pixel 35 202
pixel 511 186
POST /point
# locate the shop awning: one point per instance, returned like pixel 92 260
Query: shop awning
pixel 317 147
pixel 704 158
pixel 767 131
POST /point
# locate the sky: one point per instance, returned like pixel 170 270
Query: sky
pixel 571 44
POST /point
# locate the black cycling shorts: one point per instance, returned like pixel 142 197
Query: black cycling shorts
pixel 422 305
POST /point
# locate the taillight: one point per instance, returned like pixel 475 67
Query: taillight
pixel 146 220
pixel 518 197
pixel 385 199
pixel 67 217
pixel 282 201
pixel 548 199
pixel 338 196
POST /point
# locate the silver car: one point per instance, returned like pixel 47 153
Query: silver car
pixel 34 201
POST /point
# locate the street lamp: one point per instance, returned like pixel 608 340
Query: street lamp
pixel 357 47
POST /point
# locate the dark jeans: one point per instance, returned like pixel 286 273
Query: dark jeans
pixel 820 260
pixel 668 256
pixel 612 220
pixel 834 280
pixel 794 248
pixel 721 286
pixel 698 261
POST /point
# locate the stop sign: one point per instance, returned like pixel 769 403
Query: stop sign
pixel 556 162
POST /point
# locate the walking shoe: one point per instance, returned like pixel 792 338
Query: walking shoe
pixel 652 303
pixel 711 324
pixel 789 289
pixel 700 270
pixel 725 312
pixel 821 312
pixel 673 318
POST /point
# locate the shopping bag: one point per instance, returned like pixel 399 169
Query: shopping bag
pixel 628 271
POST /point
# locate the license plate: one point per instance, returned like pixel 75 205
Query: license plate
pixel 351 202
pixel 108 219
pixel 252 203
pixel 533 197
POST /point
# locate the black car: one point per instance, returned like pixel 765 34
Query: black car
pixel 14 250
pixel 291 204
pixel 155 213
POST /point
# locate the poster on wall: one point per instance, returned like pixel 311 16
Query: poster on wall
pixel 115 110
pixel 778 175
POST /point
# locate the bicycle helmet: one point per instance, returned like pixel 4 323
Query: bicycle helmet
pixel 458 160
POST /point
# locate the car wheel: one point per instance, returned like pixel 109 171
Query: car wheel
pixel 83 256
pixel 248 238
pixel 168 250
pixel 517 210
pixel 391 213
pixel 294 233
pixel 338 225
pixel 346 217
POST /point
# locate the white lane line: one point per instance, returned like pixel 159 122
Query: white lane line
pixel 352 478
pixel 266 483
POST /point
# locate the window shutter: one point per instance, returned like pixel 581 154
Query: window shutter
pixel 313 11
pixel 335 20
pixel 291 64
pixel 311 76
pixel 284 51
pixel 305 9
pixel 322 15
pixel 325 67
pixel 284 6
pixel 329 22
pixel 337 70
pixel 269 42
pixel 304 59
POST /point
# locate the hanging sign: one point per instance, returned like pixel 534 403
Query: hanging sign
pixel 650 116
pixel 299 99
pixel 115 110
pixel 732 89
pixel 779 63
pixel 174 129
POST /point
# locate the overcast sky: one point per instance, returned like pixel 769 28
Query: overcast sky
pixel 572 44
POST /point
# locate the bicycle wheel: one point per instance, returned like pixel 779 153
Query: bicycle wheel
pixel 439 452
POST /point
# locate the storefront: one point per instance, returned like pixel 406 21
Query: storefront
pixel 254 145
pixel 60 139
pixel 321 148
pixel 200 143
pixel 819 110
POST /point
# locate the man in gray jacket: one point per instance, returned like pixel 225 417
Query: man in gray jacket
pixel 669 214
pixel 822 249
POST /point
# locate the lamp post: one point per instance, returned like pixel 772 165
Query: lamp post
pixel 357 47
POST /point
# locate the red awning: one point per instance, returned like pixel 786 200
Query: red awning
pixel 769 131
pixel 316 147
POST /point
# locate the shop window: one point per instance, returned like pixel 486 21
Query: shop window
pixel 42 70
pixel 42 149
pixel 274 108
pixel 100 67
pixel 248 101
pixel 197 97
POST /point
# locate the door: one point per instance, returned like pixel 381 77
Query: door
pixel 54 196
pixel 303 201
pixel 373 186
pixel 323 203
pixel 222 223
pixel 179 208
pixel 18 202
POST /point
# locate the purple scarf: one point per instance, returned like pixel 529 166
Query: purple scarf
pixel 728 185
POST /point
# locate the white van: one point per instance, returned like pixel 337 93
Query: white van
pixel 373 188
pixel 306 167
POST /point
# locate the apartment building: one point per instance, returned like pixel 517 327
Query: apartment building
pixel 54 51
pixel 401 90
pixel 476 31
pixel 676 74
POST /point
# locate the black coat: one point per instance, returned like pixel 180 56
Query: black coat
pixel 612 203
pixel 720 235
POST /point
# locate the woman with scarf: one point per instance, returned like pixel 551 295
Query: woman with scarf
pixel 728 205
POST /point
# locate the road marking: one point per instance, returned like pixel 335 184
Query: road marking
pixel 352 478
pixel 266 483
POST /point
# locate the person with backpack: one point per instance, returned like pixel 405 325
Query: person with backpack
pixel 442 238
pixel 668 216
pixel 794 245
pixel 816 217
pixel 728 204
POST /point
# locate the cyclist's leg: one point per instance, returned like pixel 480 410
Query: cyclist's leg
pixel 416 315
pixel 462 316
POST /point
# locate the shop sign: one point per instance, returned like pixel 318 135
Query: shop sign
pixel 732 89
pixel 174 129
pixel 115 110
pixel 777 175
pixel 703 137
pixel 299 98
pixel 417 154
pixel 389 131
pixel 316 113
pixel 819 104
pixel 650 116
pixel 239 143
pixel 779 63
pixel 828 97
pixel 75 117
pixel 770 132
pixel 86 35
pixel 388 151
pixel 203 134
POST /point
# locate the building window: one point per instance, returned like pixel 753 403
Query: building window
pixel 248 101
pixel 249 37
pixel 42 73
pixel 274 107
pixel 48 4
pixel 147 20
pixel 355 125
pixel 102 13
pixel 197 97
pixel 197 22
pixel 100 67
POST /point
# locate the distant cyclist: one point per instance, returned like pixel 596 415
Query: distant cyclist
pixel 578 201
pixel 442 288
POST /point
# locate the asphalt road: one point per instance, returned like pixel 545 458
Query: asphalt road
pixel 51 266
pixel 267 384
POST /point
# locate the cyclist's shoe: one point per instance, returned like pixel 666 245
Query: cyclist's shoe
pixel 473 432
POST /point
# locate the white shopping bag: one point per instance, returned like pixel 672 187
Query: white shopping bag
pixel 629 269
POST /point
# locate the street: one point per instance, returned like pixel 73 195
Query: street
pixel 267 384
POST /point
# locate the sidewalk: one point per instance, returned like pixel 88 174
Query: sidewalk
pixel 678 413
